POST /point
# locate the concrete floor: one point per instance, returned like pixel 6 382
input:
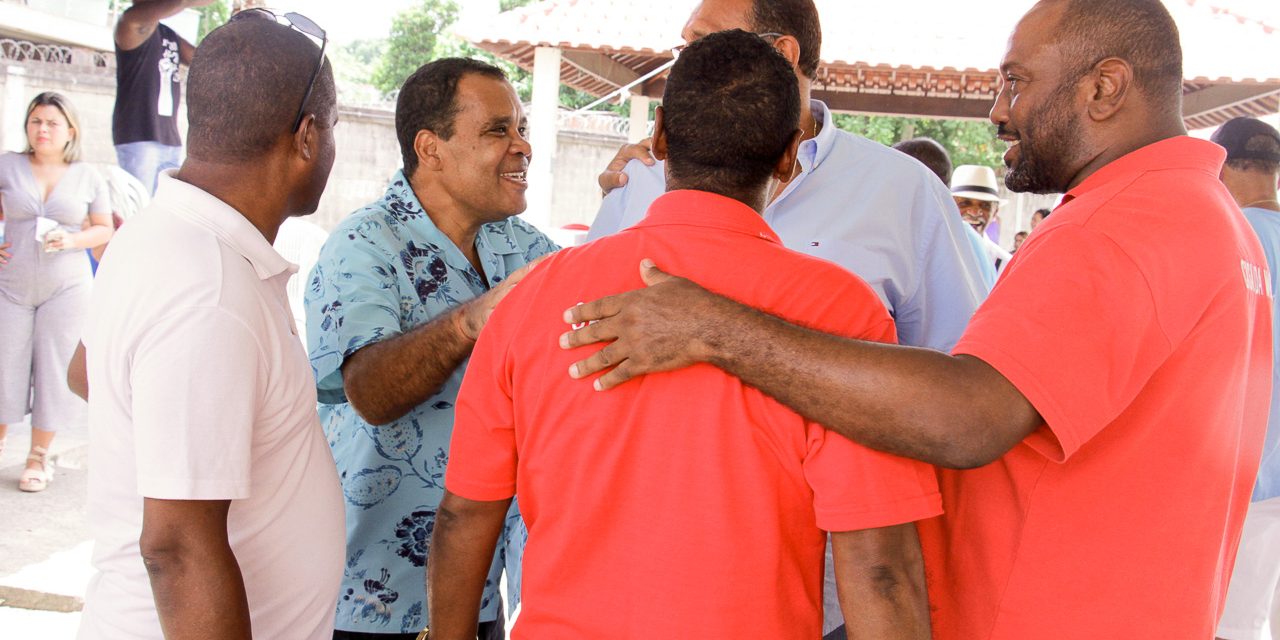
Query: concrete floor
pixel 44 541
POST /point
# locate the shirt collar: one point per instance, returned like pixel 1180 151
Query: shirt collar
pixel 1178 152
pixel 492 240
pixel 199 206
pixel 814 150
pixel 708 210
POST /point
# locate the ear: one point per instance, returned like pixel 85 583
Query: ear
pixel 659 134
pixel 304 139
pixel 427 147
pixel 1110 83
pixel 782 170
pixel 789 47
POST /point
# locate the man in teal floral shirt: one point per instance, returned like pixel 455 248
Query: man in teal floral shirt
pixel 394 305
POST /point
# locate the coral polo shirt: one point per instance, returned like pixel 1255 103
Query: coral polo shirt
pixel 1137 321
pixel 680 504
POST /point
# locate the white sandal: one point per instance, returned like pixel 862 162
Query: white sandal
pixel 36 480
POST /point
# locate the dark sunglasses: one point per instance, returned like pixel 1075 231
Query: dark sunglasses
pixel 307 27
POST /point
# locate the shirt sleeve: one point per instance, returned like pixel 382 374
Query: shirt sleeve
pixel 1073 325
pixel 482 451
pixel 100 195
pixel 855 487
pixel 628 204
pixel 196 377
pixel 950 284
pixel 352 300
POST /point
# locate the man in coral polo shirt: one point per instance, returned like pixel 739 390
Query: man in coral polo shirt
pixel 687 505
pixel 1104 411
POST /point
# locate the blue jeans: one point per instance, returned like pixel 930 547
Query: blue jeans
pixel 145 161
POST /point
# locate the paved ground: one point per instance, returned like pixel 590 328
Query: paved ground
pixel 44 542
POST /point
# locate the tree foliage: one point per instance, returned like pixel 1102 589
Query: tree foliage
pixel 967 141
pixel 212 16
pixel 415 33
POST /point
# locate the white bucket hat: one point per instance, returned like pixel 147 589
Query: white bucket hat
pixel 976 182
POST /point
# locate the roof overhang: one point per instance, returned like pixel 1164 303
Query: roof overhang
pixel 607 44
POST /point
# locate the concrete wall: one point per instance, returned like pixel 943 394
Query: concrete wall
pixel 368 154
pixel 92 91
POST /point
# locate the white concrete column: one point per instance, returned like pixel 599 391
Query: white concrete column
pixel 13 109
pixel 543 125
pixel 638 124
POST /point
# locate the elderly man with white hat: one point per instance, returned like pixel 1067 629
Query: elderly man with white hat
pixel 977 195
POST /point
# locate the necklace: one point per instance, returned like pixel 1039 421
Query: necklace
pixel 1268 200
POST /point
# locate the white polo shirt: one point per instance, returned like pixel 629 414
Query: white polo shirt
pixel 200 390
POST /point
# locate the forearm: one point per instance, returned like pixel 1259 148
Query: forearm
pixel 918 403
pixel 881 583
pixel 462 547
pixel 195 580
pixel 77 375
pixel 200 595
pixel 386 380
pixel 93 237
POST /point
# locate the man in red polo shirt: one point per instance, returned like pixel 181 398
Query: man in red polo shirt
pixel 1103 413
pixel 686 505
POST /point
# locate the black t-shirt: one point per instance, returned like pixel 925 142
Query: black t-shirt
pixel 148 91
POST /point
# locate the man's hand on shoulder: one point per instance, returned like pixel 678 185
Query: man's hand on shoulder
pixel 670 324
pixel 613 176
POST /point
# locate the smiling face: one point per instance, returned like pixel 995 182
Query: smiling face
pixel 976 213
pixel 48 131
pixel 1037 110
pixel 485 162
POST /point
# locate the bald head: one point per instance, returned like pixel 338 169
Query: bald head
pixel 1140 32
pixel 245 86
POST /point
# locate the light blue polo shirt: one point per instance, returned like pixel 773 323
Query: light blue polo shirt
pixel 868 208
pixel 1266 224
pixel 385 270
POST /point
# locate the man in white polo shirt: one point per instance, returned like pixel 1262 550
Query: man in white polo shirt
pixel 213 497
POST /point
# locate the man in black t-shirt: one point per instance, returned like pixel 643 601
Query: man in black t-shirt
pixel 144 125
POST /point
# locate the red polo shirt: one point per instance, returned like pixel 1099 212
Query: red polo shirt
pixel 1137 321
pixel 681 504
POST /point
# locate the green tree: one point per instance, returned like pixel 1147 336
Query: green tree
pixel 415 33
pixel 211 17
pixel 967 141
pixel 421 34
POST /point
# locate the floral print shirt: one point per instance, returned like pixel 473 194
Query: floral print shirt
pixel 383 271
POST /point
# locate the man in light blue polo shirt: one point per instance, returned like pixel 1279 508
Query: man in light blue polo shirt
pixel 394 305
pixel 868 208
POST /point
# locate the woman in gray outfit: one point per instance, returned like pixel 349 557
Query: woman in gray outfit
pixel 46 194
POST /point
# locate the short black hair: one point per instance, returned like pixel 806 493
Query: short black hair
pixel 428 101
pixel 1044 213
pixel 730 108
pixel 930 153
pixel 245 85
pixel 1140 32
pixel 1264 144
pixel 795 18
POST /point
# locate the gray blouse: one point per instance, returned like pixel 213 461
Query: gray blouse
pixel 81 191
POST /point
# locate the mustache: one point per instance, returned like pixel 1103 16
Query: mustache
pixel 1002 131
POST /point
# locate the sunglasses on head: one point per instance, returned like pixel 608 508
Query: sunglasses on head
pixel 305 26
